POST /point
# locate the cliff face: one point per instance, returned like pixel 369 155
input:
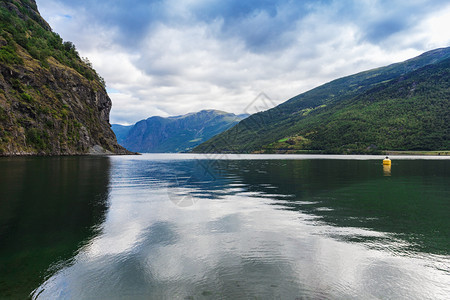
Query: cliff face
pixel 51 101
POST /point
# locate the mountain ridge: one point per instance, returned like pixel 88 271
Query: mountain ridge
pixel 175 133
pixel 260 132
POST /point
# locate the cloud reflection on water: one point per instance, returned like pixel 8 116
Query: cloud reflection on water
pixel 239 243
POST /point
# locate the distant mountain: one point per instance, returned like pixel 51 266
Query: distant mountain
pixel 404 106
pixel 174 134
pixel 121 132
pixel 52 102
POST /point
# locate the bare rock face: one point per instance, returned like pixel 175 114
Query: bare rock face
pixel 51 101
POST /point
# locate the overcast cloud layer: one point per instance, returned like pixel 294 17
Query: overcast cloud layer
pixel 170 57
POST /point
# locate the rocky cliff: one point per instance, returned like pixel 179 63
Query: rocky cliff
pixel 52 102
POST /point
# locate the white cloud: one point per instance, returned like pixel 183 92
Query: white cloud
pixel 183 64
pixel 433 31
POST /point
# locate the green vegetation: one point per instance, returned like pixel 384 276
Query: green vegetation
pixel 411 113
pixel 3 114
pixel 47 91
pixel 26 97
pixel 293 144
pixel 400 107
pixel 38 139
pixel 8 55
pixel 24 27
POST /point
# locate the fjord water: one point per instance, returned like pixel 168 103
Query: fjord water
pixel 48 208
pixel 224 227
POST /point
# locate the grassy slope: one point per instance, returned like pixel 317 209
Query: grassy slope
pixel 410 113
pixel 287 122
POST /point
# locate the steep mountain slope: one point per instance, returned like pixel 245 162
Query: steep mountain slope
pixel 300 123
pixel 409 113
pixel 175 134
pixel 51 101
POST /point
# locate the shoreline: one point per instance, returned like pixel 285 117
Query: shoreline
pixel 424 153
pixel 67 154
pixel 381 152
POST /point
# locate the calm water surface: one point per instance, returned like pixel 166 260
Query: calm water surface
pixel 224 227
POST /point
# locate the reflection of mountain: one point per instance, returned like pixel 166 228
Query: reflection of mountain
pixel 258 229
pixel 48 208
pixel 412 203
pixel 341 193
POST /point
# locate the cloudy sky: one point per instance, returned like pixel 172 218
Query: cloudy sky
pixel 170 57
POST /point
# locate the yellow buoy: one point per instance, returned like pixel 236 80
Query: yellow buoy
pixel 387 161
pixel 387 170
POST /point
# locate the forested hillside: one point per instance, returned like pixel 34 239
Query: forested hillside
pixel 403 106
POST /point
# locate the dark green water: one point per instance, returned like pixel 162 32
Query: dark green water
pixel 49 207
pixel 238 227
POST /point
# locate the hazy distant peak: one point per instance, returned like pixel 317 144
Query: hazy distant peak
pixel 175 133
